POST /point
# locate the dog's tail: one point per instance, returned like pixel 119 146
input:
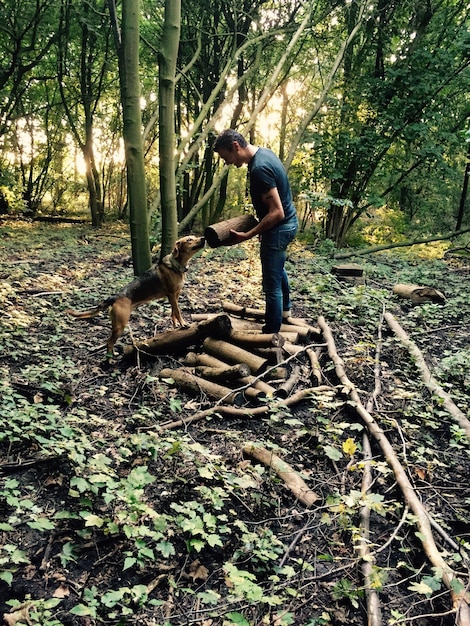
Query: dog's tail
pixel 84 315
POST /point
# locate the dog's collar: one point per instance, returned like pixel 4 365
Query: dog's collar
pixel 173 264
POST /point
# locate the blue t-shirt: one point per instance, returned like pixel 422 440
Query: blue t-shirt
pixel 266 171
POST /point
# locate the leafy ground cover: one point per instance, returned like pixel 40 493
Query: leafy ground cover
pixel 109 517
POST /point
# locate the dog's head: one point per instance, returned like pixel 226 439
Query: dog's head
pixel 187 246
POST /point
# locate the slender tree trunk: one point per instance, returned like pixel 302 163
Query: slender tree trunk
pixel 463 197
pixel 132 131
pixel 167 62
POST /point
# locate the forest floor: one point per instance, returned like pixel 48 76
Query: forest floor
pixel 112 515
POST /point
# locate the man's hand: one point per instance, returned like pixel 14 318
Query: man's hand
pixel 238 236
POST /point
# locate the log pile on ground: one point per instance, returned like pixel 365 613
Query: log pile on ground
pixel 227 358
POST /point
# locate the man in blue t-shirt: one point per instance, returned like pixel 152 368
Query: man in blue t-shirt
pixel 272 199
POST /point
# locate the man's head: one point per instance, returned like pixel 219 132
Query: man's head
pixel 232 147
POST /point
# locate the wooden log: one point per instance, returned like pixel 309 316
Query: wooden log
pixel 274 356
pixel 418 294
pixel 208 360
pixel 292 348
pixel 194 384
pixel 303 332
pixel 257 314
pixel 284 390
pixel 193 359
pixel 242 311
pixel 298 487
pixel 256 340
pixel 314 356
pixel 231 372
pixel 176 340
pixel 260 387
pixel 219 234
pixel 234 354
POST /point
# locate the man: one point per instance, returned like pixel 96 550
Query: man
pixel 272 199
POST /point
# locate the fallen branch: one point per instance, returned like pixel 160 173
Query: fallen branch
pixel 298 486
pixel 401 244
pixel 428 379
pixel 460 598
pixel 243 413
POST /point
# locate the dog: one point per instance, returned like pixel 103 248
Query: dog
pixel 163 279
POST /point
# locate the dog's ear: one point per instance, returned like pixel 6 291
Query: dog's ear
pixel 176 249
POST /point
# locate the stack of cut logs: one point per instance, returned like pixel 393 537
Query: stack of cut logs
pixel 227 358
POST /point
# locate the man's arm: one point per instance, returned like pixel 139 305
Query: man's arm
pixel 274 216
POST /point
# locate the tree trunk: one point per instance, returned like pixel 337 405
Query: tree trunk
pixel 167 63
pixel 132 132
pixel 463 196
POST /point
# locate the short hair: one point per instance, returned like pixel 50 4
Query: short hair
pixel 225 140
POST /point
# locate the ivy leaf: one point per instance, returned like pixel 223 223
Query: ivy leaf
pixel 332 453
pixel 166 548
pixel 7 577
pixel 92 520
pixel 237 618
pixel 421 588
pixel 129 562
pixel 42 524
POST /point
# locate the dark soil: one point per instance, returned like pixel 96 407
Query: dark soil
pixel 85 437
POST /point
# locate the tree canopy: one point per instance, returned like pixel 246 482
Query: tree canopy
pixel 366 103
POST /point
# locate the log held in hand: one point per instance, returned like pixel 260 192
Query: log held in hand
pixel 219 234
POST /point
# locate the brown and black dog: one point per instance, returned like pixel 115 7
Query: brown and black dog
pixel 163 279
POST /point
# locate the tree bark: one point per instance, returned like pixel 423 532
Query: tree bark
pixel 229 373
pixel 132 133
pixel 418 294
pixel 168 56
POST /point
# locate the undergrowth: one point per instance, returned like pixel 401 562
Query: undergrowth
pixel 110 518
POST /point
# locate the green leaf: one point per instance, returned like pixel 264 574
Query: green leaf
pixel 7 577
pixel 92 520
pixel 333 453
pixel 129 562
pixel 166 548
pixel 421 588
pixel 42 524
pixel 237 618
pixel 83 611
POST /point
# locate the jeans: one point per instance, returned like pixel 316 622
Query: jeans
pixel 275 281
